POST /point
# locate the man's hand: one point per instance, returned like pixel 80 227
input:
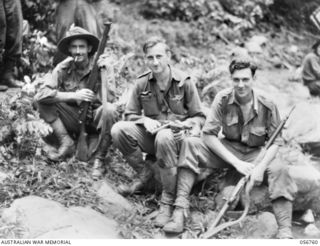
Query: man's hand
pixel 256 177
pixel 195 131
pixel 85 95
pixel 151 124
pixel 244 167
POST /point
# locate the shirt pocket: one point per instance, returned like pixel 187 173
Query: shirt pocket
pixel 257 136
pixel 231 127
pixel 149 104
pixel 176 104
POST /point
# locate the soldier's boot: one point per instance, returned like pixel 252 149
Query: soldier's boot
pixel 144 173
pixel 99 165
pixel 164 215
pixel 168 180
pixel 7 78
pixel 66 147
pixel 282 209
pixel 176 223
pixel 186 179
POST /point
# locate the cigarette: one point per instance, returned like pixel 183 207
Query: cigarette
pixel 76 58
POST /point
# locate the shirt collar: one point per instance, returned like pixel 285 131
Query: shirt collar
pixel 176 76
pixel 232 100
pixel 86 71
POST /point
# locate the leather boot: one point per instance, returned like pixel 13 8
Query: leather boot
pixel 99 167
pixel 282 209
pixel 176 223
pixel 9 81
pixel 168 180
pixel 7 77
pixel 67 147
pixel 164 215
pixel 186 179
pixel 144 173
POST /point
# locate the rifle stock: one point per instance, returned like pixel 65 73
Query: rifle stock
pixel 82 146
pixel 213 229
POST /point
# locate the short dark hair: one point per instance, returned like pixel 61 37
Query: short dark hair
pixel 239 64
pixel 152 41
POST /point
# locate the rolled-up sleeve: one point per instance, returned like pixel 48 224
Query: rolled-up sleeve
pixel 133 107
pixel 50 87
pixel 213 123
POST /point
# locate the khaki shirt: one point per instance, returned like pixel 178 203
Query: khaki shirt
pixel 311 68
pixel 226 113
pixel 67 78
pixel 179 101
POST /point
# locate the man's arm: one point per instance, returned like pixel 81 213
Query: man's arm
pixel 133 107
pixel 214 144
pixel 210 131
pixel 315 66
pixel 196 116
pixel 50 94
pixel 271 152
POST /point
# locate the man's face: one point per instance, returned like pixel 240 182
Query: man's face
pixel 242 82
pixel 157 59
pixel 79 50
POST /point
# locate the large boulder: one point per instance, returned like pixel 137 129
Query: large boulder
pixel 42 218
pixel 263 225
pixel 304 129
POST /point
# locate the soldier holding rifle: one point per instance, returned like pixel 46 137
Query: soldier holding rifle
pixel 163 93
pixel 60 98
pixel 247 120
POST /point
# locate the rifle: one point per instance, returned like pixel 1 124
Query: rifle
pixel 214 228
pixel 174 126
pixel 82 146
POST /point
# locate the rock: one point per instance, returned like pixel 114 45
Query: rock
pixel 308 217
pixel 43 218
pixel 307 128
pixel 263 225
pixel 312 231
pixel 113 202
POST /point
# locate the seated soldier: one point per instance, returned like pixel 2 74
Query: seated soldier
pixel 163 93
pixel 311 70
pixel 60 97
pixel 247 120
